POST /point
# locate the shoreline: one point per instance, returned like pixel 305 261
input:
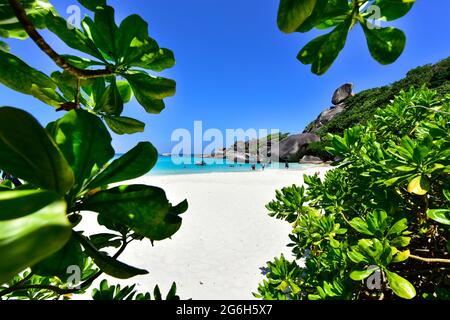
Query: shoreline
pixel 160 173
pixel 225 238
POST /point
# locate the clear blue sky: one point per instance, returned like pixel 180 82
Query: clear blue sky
pixel 235 69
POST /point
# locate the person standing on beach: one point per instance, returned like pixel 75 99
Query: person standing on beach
pixel 263 166
pixel 286 165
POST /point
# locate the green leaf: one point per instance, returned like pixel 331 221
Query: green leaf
pixel 334 243
pixel 124 125
pixel 360 225
pixel 81 63
pixel 92 4
pixel 165 59
pixel 107 264
pixel 27 152
pixel 401 287
pixel 292 14
pixel 447 194
pixel 72 37
pixel 385 44
pixel 58 263
pixel 4 46
pixel 393 9
pixel 132 41
pixel 357 257
pixel 111 101
pixel 149 90
pixel 17 204
pixel 85 143
pixel 36 11
pixel 172 294
pixel 107 30
pixel 135 163
pixel 326 14
pixel 105 240
pixel 28 240
pixel 19 76
pixel 440 215
pixel 398 227
pixel 401 256
pixel 125 90
pixel 400 242
pixel 142 208
pixel 180 208
pixel 419 185
pixel 323 50
pixel 362 274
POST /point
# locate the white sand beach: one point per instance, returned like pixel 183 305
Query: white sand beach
pixel 226 235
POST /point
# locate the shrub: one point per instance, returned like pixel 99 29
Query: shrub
pixel 377 226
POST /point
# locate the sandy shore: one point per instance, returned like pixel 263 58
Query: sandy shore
pixel 225 238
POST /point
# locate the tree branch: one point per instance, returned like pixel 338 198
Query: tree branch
pixel 429 260
pixel 21 15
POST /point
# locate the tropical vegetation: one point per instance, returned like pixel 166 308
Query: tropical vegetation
pixel 377 226
pixel 58 175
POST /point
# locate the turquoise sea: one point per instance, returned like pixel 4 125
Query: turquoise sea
pixel 189 164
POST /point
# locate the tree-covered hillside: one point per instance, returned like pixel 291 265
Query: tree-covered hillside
pixel 361 107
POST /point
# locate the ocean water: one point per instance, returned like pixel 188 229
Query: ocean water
pixel 189 165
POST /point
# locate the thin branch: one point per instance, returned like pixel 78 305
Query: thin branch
pixel 77 93
pixel 429 260
pixel 21 15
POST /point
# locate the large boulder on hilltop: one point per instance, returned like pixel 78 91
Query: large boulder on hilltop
pixel 342 93
pixel 293 147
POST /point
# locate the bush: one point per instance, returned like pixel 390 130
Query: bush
pixel 377 226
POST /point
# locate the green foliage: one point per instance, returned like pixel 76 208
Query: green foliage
pixel 126 53
pixel 19 76
pixel 362 106
pixel 29 153
pixel 385 44
pixel 143 209
pixel 106 292
pixel 378 215
pixel 27 240
pixel 36 11
pixel 318 149
pixel 54 173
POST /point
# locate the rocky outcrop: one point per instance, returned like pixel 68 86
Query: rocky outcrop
pixel 310 160
pixel 293 147
pixel 324 117
pixel 340 95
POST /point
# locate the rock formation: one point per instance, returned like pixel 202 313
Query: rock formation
pixel 340 95
pixel 293 147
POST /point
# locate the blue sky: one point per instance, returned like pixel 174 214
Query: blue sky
pixel 235 69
